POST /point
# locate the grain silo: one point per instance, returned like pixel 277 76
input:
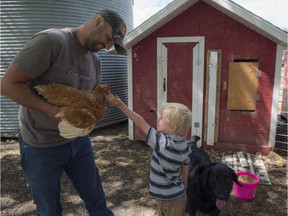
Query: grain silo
pixel 22 19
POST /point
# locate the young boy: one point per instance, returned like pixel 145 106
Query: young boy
pixel 170 157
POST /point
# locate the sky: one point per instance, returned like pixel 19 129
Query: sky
pixel 274 11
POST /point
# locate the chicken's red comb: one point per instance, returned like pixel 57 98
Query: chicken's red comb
pixel 107 88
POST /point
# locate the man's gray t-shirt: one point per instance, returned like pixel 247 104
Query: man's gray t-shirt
pixel 54 55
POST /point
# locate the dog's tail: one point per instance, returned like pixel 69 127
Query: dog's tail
pixel 193 141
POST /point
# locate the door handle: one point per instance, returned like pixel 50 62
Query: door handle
pixel 164 85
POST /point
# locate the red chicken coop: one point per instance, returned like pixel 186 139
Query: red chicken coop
pixel 220 60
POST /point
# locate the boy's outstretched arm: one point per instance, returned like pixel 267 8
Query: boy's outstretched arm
pixel 135 117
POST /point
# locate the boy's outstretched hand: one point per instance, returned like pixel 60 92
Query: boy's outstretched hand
pixel 136 118
pixel 114 100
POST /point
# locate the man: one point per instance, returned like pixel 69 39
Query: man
pixel 68 56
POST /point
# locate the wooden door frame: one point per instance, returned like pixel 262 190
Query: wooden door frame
pixel 197 78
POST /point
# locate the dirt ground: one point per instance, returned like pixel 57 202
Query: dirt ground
pixel 124 170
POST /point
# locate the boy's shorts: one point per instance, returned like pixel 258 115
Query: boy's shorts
pixel 175 207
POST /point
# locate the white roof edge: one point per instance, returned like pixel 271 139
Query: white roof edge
pixel 156 21
pixel 229 7
pixel 251 20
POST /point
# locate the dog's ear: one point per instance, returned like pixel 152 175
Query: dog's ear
pixel 235 177
pixel 206 174
pixel 195 174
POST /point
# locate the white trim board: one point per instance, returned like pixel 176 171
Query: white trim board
pixel 213 65
pixel 130 91
pixel 275 99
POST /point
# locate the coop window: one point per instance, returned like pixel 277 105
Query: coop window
pixel 242 86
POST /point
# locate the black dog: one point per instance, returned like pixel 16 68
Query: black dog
pixel 209 184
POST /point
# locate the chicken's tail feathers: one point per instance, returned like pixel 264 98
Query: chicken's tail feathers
pixel 75 122
pixel 69 131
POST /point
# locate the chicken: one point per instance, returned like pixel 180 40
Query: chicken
pixel 85 108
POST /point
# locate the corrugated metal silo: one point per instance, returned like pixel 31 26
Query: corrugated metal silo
pixel 22 19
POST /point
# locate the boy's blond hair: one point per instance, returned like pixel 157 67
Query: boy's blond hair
pixel 179 116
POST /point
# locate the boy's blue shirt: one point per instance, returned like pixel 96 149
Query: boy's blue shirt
pixel 170 153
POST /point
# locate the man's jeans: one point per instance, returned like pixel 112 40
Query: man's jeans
pixel 45 166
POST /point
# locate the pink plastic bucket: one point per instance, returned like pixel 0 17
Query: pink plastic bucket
pixel 248 190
